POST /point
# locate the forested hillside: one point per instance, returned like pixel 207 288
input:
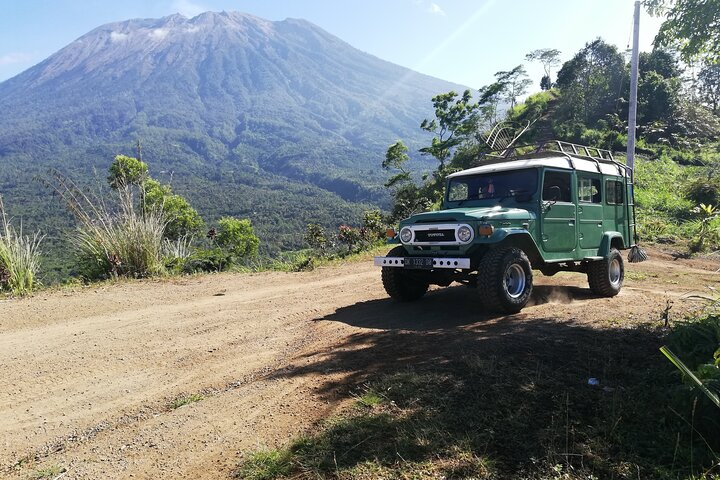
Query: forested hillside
pixel 586 102
pixel 279 122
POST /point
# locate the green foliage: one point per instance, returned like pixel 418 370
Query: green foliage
pixel 591 83
pixel 705 189
pixel 214 259
pixel 658 183
pixel 19 257
pixel 182 219
pixel 316 238
pixel 455 119
pixel 237 237
pixel 709 86
pixel 515 84
pixel 395 159
pixel 126 171
pixel 690 24
pixel 183 400
pixel 266 465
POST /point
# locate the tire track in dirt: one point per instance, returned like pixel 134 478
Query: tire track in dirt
pixel 88 375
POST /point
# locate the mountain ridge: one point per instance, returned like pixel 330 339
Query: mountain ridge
pixel 222 103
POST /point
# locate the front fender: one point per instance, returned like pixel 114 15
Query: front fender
pixel 521 239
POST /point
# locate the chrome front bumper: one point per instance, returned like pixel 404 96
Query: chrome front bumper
pixel 439 262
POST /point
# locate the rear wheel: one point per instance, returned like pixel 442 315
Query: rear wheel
pixel 606 276
pixel 398 283
pixel 505 280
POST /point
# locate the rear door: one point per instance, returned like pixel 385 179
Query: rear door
pixel 590 210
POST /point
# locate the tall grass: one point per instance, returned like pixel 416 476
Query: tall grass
pixel 19 257
pixel 114 240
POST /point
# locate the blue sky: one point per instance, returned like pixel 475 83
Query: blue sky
pixel 463 41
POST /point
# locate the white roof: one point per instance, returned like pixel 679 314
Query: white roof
pixel 553 160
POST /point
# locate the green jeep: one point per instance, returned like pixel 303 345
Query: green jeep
pixel 562 207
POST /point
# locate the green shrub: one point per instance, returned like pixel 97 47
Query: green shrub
pixel 182 219
pixel 126 243
pixel 125 171
pixel 19 257
pixel 704 190
pixel 208 260
pixel 237 237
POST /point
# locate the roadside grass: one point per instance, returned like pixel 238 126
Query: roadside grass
pixel 19 257
pixel 183 400
pixel 49 472
pixel 524 411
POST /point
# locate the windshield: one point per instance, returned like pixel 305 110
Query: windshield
pixel 494 185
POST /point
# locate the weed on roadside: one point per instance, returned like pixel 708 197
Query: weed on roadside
pixel 185 400
pixel 49 472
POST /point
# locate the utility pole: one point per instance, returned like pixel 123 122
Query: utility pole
pixel 632 111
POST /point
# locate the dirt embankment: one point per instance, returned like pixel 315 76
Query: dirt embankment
pixel 174 378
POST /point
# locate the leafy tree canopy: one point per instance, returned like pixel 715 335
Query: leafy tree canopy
pixel 692 25
pixel 126 171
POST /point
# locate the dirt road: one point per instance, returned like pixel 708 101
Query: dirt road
pixel 175 378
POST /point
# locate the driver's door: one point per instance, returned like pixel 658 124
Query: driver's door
pixel 559 215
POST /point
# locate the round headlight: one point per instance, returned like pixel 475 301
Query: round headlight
pixel 464 233
pixel 406 235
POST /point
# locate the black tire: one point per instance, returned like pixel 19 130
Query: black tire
pixel 505 280
pixel 606 276
pixel 398 284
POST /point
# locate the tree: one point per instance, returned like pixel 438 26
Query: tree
pixel 661 61
pixel 395 158
pixel 237 237
pixel 709 86
pixel 490 97
pixel 455 118
pixel 182 219
pixel 548 57
pixel 691 24
pixel 126 171
pixel 515 82
pixel 591 83
pixel 658 87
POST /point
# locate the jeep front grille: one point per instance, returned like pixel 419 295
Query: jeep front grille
pixel 434 236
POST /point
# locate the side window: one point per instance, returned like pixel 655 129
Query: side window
pixel 589 190
pixel 458 191
pixel 614 192
pixel 556 187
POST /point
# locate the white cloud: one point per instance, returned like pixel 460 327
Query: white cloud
pixel 14 58
pixel 158 33
pixel 435 9
pixel 116 37
pixel 188 8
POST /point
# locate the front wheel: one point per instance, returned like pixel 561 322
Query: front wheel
pixel 398 284
pixel 606 276
pixel 505 280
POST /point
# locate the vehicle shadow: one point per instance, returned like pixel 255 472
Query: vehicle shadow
pixel 512 387
pixel 443 309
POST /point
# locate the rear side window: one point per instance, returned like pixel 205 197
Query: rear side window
pixel 614 192
pixel 589 190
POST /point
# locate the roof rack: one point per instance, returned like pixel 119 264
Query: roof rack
pixel 566 148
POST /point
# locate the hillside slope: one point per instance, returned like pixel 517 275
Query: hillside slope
pixel 230 107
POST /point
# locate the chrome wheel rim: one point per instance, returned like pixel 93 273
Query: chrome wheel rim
pixel 514 281
pixel 614 272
